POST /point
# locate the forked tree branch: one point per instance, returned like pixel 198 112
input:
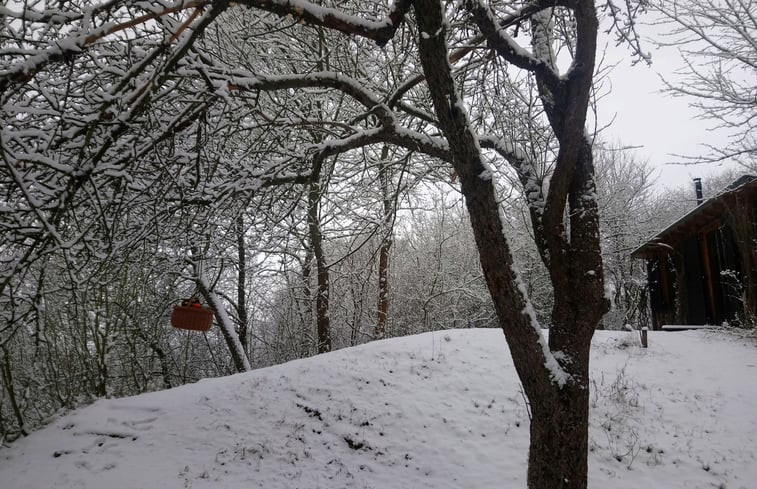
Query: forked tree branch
pixel 73 44
pixel 381 31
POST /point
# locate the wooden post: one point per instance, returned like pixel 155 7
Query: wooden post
pixel 644 336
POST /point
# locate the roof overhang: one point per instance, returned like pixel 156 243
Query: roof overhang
pixel 702 219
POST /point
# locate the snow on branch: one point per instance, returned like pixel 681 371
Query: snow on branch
pixel 523 166
pixel 380 31
pixel 57 16
pixel 504 44
pixel 624 26
pixel 80 37
pixel 519 160
pixel 557 374
pixel 326 79
pixel 224 322
pixel 239 80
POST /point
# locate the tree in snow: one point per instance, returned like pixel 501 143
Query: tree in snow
pixel 625 188
pixel 717 40
pixel 149 110
pixel 437 281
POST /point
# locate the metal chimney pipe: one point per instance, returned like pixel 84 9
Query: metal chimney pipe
pixel 698 190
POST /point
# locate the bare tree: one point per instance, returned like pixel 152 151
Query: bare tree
pixel 120 86
pixel 437 281
pixel 625 189
pixel 717 40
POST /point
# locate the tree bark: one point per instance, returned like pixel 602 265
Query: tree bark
pixel 242 285
pixel 6 373
pixel 557 456
pixel 238 356
pixel 557 385
pixel 322 321
pixel 384 250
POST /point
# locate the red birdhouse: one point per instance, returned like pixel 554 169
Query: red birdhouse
pixel 191 315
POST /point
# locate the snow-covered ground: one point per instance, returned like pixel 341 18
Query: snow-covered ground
pixel 437 410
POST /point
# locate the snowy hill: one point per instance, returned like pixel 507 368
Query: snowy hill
pixel 437 410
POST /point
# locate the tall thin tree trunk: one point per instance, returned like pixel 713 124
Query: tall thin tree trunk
pixel 383 295
pixel 238 356
pixel 323 330
pixel 6 373
pixel 242 285
pixel 155 347
pixel 305 310
pixel 386 245
pixel 322 321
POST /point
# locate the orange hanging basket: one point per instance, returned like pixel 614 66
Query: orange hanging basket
pixel 195 317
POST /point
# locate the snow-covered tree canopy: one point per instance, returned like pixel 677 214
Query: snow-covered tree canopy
pixel 133 125
pixel 132 119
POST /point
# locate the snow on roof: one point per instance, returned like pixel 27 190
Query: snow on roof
pixel 702 215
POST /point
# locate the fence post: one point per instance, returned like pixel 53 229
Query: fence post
pixel 644 336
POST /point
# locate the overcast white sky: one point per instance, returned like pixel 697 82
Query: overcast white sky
pixel 662 124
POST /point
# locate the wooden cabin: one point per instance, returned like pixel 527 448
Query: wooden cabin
pixel 702 269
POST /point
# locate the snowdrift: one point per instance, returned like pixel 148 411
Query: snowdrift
pixel 436 410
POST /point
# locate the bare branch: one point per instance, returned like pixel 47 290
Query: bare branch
pixel 380 31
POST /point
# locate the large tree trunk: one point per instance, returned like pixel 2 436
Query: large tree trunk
pixel 558 396
pixel 557 386
pixel 559 439
pixel 559 427
pixel 559 407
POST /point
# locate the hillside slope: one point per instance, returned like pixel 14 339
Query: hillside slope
pixel 437 410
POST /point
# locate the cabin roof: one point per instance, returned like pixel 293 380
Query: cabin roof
pixel 704 217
